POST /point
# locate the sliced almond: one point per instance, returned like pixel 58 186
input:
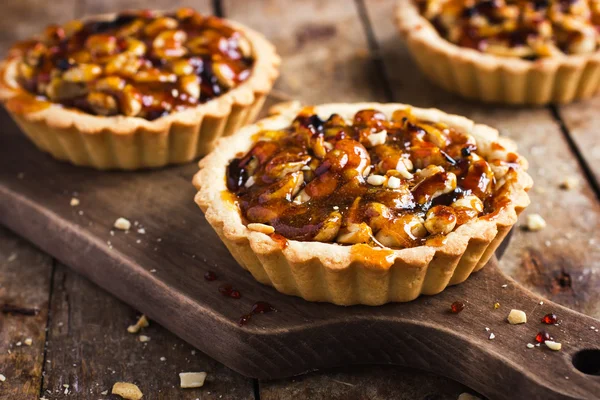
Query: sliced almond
pixel 262 228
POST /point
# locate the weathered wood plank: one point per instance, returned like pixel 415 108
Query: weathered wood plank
pixel 91 7
pixel 90 349
pixel 25 275
pixel 20 19
pixel 569 245
pixel 581 120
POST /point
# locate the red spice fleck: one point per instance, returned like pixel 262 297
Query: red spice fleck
pixel 542 336
pixel 457 307
pixel 229 291
pixel 550 319
pixel 260 307
pixel 210 276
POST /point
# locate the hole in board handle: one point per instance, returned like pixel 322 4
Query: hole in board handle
pixel 587 361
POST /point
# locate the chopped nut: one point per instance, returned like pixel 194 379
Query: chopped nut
pixel 378 138
pixel 2 378
pixel 517 317
pixel 192 379
pixel 191 85
pixel 28 341
pixel 127 391
pixel 224 74
pixel 530 345
pixel 144 338
pixel 570 182
pixel 122 224
pixel 376 180
pixel 74 202
pixel 535 222
pixel 492 336
pixel 262 228
pixel 552 345
pixel 403 166
pixel 393 182
pixel 102 103
pixel 82 73
pixel 142 322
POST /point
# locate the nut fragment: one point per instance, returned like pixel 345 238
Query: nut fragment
pixel 191 379
pixel 142 322
pixel 82 73
pixel 122 224
pixel 376 180
pixel 131 103
pixel 440 220
pixel 393 182
pixel 102 103
pixel 516 317
pixel 355 233
pixel 190 84
pixel 262 228
pixel 552 345
pixel 224 74
pixel 535 222
pixel 378 138
pixel 127 391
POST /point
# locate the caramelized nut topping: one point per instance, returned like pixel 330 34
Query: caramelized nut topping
pixel 330 181
pixel 140 64
pixel 518 28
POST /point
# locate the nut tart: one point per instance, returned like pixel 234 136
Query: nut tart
pixel 506 51
pixel 362 203
pixel 137 89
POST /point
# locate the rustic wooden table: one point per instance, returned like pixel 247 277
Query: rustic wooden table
pixel 338 50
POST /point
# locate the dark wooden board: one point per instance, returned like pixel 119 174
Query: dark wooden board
pixel 162 276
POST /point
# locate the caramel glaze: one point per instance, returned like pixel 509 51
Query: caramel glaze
pixel 327 159
pixel 58 52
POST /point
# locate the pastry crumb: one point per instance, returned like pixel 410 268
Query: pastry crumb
pixel 516 317
pixel 530 345
pixel 570 182
pixel 28 341
pixel 192 379
pixel 142 322
pixel 2 378
pixel 492 336
pixel 535 222
pixel 141 231
pixel 74 202
pixel 104 393
pixel 163 359
pixel 144 338
pixel 127 391
pixel 122 224
pixel 552 345
pixel 262 228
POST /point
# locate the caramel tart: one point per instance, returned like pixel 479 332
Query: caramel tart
pixel 506 51
pixel 362 203
pixel 137 89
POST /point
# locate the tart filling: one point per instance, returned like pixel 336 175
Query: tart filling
pixel 396 182
pixel 139 64
pixel 517 28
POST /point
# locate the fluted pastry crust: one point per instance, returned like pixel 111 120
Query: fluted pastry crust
pixel 496 79
pixel 129 143
pixel 357 274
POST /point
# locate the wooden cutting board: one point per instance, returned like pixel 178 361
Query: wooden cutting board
pixel 159 267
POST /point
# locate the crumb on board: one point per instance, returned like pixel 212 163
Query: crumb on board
pixel 122 224
pixel 127 391
pixel 142 322
pixel 530 345
pixel 28 341
pixel 2 378
pixel 74 202
pixel 516 317
pixel 144 338
pixel 492 336
pixel 570 182
pixel 552 345
pixel 192 379
pixel 535 222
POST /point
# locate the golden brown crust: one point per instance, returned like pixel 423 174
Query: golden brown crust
pixel 120 142
pixel 355 274
pixel 487 77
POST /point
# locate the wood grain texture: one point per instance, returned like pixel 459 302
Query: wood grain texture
pixel 25 275
pixel 581 119
pixel 90 349
pixel 569 246
pixel 165 280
